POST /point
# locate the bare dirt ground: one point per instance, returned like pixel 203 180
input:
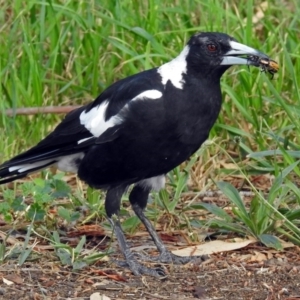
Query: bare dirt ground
pixel 254 272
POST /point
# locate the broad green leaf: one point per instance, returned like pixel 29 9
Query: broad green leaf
pixel 79 264
pixel 61 189
pixel 270 241
pixel 244 218
pixel 17 204
pixel 130 224
pixel 293 214
pixel 227 226
pixel 64 256
pixel 217 211
pixel 233 195
pixel 289 234
pixel 36 212
pixel 80 245
pixel 56 237
pixel 24 255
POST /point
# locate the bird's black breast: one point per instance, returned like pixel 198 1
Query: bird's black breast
pixel 155 136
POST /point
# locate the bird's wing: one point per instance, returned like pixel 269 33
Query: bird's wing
pixel 96 123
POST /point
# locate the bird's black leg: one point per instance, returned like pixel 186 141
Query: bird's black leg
pixel 112 206
pixel 138 199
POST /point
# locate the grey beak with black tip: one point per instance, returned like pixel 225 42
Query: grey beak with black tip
pixel 235 55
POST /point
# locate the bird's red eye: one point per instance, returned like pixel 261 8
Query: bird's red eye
pixel 212 47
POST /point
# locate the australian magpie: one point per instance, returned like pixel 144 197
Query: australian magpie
pixel 139 129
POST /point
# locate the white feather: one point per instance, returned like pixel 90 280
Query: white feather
pixel 64 163
pixel 69 163
pixel 175 69
pixel 27 167
pixel 94 120
pixel 155 183
pixel 150 94
pixel 83 140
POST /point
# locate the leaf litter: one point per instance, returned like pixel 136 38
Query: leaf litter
pixel 236 269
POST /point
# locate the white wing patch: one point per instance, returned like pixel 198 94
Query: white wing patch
pixel 94 120
pixel 175 69
pixel 150 94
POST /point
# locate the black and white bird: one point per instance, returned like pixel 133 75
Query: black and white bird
pixel 139 129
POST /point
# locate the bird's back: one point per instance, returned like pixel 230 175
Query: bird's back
pixel 155 136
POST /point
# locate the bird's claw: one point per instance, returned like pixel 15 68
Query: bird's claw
pixel 138 269
pixel 168 257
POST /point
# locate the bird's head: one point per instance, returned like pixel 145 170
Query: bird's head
pixel 212 53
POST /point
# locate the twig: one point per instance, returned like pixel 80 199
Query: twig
pixel 40 110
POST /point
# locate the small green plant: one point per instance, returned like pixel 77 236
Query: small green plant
pixel 265 217
pixel 38 196
pixel 22 251
pixel 76 257
pixel 34 199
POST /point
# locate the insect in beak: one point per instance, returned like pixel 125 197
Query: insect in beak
pixel 266 65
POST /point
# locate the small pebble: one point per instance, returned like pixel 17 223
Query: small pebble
pixel 2 291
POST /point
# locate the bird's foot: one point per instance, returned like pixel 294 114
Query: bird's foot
pixel 139 269
pixel 168 257
pixel 165 257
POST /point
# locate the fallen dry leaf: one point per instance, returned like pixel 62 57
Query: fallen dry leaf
pixel 168 238
pixel 88 230
pixel 98 296
pixel 258 256
pixel 89 281
pixel 212 247
pixel 40 248
pixel 116 277
pixel 8 282
pixel 37 296
pixel 285 244
pixel 14 278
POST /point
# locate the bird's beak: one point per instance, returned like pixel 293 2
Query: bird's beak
pixel 240 54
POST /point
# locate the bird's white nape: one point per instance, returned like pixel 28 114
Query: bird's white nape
pixel 175 69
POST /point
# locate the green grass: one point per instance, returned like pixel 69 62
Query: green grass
pixel 67 52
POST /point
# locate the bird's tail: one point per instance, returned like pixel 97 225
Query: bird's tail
pixel 34 159
pixel 38 158
pixel 65 146
pixel 16 168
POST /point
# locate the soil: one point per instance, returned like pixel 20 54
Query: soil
pixel 254 272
